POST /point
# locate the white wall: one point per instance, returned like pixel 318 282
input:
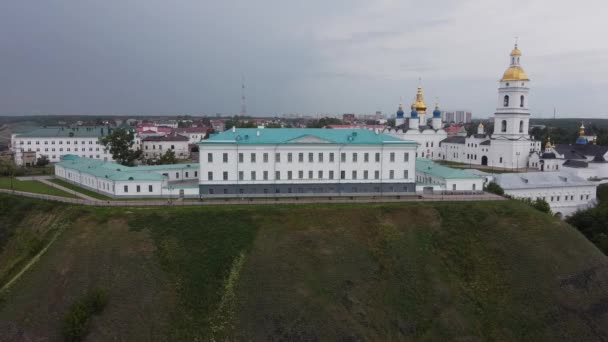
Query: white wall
pixel 56 147
pixel 565 200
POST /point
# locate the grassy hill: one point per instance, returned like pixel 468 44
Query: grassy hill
pixel 431 271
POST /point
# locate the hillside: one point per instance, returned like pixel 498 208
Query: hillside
pixel 431 271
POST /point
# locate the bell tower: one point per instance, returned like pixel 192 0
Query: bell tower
pixel 511 120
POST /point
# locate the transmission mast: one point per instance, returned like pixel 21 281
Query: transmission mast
pixel 243 100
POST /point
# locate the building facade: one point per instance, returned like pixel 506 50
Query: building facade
pixel 154 147
pixel 283 161
pixel 56 142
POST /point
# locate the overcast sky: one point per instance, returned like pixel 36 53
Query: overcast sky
pixel 313 56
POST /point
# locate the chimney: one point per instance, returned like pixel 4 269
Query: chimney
pixel 257 133
pixel 233 129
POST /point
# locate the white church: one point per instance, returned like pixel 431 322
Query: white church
pixel 509 146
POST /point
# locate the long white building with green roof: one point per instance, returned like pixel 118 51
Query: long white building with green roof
pixel 283 161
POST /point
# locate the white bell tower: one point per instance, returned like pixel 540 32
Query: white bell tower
pixel 511 120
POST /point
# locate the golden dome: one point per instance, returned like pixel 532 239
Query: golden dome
pixel 515 73
pixel 515 51
pixel 480 125
pixel 418 104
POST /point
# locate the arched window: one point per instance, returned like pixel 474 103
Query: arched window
pixel 503 126
pixel 506 101
pixel 521 101
pixel 521 126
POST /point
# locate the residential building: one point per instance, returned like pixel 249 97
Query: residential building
pixel 154 147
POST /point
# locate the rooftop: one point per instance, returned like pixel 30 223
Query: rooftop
pixel 176 137
pixel 115 171
pixel 263 136
pixel 68 132
pixel 527 180
pixel 434 169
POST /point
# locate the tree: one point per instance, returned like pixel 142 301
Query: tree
pixel 167 158
pixel 495 189
pixel 541 205
pixel 120 143
pixel 42 161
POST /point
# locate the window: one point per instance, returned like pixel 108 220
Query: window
pixel 277 175
pixel 331 157
pixel 521 126
pixel 277 157
pixel 289 175
pixel 177 175
pixel 172 147
pixel 377 157
pixel 521 101
pixel 392 156
pixel 391 174
pixel 453 186
pixel 265 157
pixel 406 157
pixel 310 157
pixel 149 188
pixel 309 174
pixel 366 157
pixel 209 156
pixel 241 175
pixel 354 157
pixel 331 175
pixel 289 157
pixel 365 174
pixel 342 174
pixel 186 171
pixel 376 174
pixel 343 157
pixel 301 157
pixel 211 191
pixel 253 157
pixel 241 157
pixel 300 174
pixel 320 174
pixel 210 175
pixel 506 101
pixel 252 175
pixel 406 174
pixel 265 175
pixel 195 173
pixel 500 160
pixel 225 157
pixel 503 126
pixel 320 157
pixel 354 174
pixel 138 188
pixel 126 188
pixel 225 175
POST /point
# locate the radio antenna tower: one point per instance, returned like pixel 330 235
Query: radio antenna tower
pixel 243 102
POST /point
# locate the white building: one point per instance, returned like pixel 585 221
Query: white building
pixel 432 176
pixel 582 158
pixel 194 134
pixel 509 146
pixel 566 193
pixel 250 161
pixel 119 181
pixel 55 142
pixel 154 147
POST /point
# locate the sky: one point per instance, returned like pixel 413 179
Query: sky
pixel 139 57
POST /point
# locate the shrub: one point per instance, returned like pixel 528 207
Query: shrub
pixel 76 320
pixel 495 189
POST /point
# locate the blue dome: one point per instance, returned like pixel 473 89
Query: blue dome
pixel 400 113
pixel 437 113
pixel 581 140
pixel 414 114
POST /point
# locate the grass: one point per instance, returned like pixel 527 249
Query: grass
pixel 458 165
pixel 399 271
pixel 81 190
pixel 32 186
pixel 76 321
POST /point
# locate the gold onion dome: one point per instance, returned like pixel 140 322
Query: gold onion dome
pixel 515 72
pixel 516 51
pixel 418 104
pixel 480 125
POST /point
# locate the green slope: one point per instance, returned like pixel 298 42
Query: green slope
pixel 429 271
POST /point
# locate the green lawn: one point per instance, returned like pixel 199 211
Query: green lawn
pixel 32 186
pixel 81 190
pixel 437 271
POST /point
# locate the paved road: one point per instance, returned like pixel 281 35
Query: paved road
pixel 246 201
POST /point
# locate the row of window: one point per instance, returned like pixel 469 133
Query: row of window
pixel 68 149
pixel 300 190
pixel 558 198
pixel 320 175
pixel 160 147
pixel 137 188
pixel 320 157
pixel 60 142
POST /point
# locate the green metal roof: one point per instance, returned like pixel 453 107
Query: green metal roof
pixel 114 171
pixel 255 136
pixel 67 132
pixel 428 166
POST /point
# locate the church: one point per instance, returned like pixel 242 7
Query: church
pixel 509 146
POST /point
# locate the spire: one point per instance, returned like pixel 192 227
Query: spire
pixel 548 145
pixel 581 130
